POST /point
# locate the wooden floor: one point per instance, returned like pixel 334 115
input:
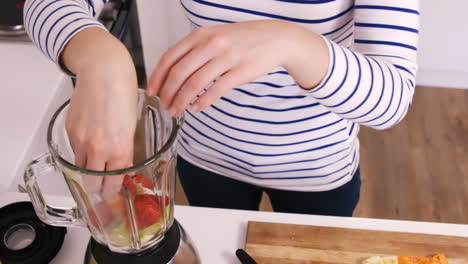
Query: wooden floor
pixel 417 170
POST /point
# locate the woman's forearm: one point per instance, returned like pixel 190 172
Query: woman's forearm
pixel 94 47
pixel 307 58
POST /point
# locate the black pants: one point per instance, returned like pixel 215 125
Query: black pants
pixel 207 189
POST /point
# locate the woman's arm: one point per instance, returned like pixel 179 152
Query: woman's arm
pixel 102 115
pixel 51 24
pixel 373 83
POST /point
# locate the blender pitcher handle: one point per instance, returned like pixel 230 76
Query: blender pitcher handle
pixel 51 215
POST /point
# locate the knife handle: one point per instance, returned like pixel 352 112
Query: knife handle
pixel 244 257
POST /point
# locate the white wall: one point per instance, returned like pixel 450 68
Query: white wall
pixel 162 23
pixel 443 51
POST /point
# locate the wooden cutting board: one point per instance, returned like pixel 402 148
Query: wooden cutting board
pixel 270 243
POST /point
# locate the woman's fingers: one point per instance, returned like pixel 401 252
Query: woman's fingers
pixel 80 158
pixel 113 184
pixel 169 58
pixel 96 162
pixel 182 70
pixel 233 78
pixel 196 83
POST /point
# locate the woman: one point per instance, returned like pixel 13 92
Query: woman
pixel 274 93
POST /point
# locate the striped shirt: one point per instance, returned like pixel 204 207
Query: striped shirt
pixel 271 132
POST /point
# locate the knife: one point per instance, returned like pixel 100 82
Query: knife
pixel 244 257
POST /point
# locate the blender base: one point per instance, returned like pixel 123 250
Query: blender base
pixel 175 248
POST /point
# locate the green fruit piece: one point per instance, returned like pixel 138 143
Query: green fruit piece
pixel 150 231
pixel 139 189
pixel 119 236
pixel 168 212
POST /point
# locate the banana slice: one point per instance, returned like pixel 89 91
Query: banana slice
pixel 381 260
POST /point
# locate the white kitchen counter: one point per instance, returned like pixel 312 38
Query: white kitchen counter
pixel 28 83
pixel 217 233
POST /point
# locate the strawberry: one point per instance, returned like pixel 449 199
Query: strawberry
pixel 166 200
pixel 145 181
pixel 130 184
pixel 136 183
pixel 148 210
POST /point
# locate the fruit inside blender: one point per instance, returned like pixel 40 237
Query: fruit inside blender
pixel 150 215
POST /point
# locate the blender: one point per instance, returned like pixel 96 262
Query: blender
pixel 133 222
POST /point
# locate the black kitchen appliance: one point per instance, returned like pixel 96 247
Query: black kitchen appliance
pixel 118 16
pixel 11 20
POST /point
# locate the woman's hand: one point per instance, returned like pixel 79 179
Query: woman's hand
pixel 226 56
pixel 102 116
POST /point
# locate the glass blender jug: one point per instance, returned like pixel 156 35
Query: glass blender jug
pixel 133 215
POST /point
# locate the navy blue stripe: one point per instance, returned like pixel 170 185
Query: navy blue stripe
pixel 293 19
pixel 191 21
pixel 269 95
pixel 204 17
pixel 381 94
pixel 64 27
pixel 385 55
pixel 342 82
pixel 53 26
pixel 307 1
pixel 195 23
pixel 264 172
pixel 305 169
pixel 73 32
pixel 215 163
pixel 386 26
pixel 279 72
pixel 390 8
pixel 274 85
pixel 262 154
pixel 403 69
pixel 355 88
pixel 45 20
pixel 258 143
pixel 91 5
pixel 29 20
pixel 398 107
pixel 352 129
pixel 342 33
pixel 269 109
pixel 264 165
pixel 268 121
pixel 26 13
pixel 216 150
pixel 269 178
pixel 388 43
pixel 408 106
pixel 34 10
pixel 272 134
pixel 391 98
pixel 341 177
pixel 332 70
pixel 345 38
pixel 259 165
pixel 368 93
pixel 37 17
pixel 338 29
